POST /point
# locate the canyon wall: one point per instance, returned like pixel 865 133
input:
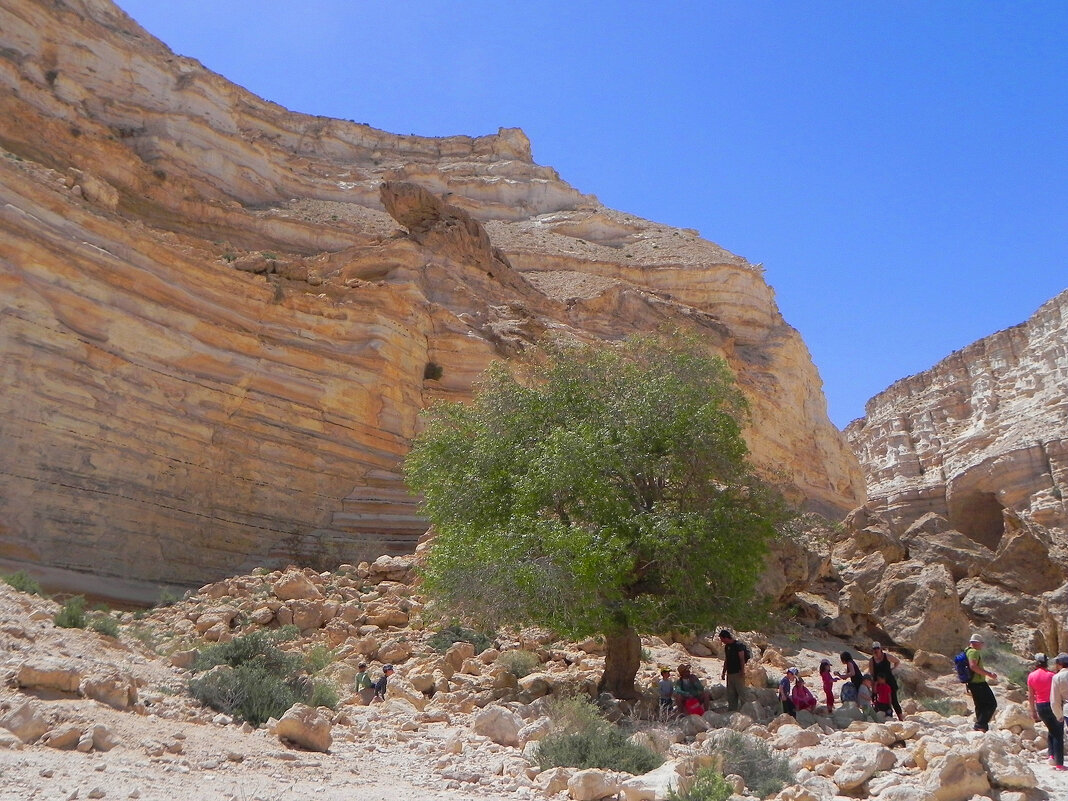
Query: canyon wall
pixel 983 432
pixel 215 340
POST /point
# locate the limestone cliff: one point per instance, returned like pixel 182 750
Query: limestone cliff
pixel 967 467
pixel 983 431
pixel 215 341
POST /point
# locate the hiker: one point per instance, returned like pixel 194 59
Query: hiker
pixel 365 688
pixel 1058 696
pixel 865 695
pixel 802 697
pixel 734 658
pixel 883 664
pixel 786 691
pixel 983 697
pixel 665 689
pixel 1039 686
pixel 380 685
pixel 828 683
pixel 882 695
pixel 688 686
pixel 853 676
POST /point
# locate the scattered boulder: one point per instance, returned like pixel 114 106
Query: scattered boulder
pixel 305 727
pixel 499 724
pixel 26 721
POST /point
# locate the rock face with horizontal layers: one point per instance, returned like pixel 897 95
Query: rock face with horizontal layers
pixel 968 464
pixel 215 341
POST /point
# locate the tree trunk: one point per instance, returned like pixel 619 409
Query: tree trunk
pixel 623 656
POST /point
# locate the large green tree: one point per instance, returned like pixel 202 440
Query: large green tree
pixel 605 489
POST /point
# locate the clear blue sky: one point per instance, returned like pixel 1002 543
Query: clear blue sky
pixel 900 168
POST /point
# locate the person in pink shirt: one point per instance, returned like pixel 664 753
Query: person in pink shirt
pixel 1039 684
pixel 828 682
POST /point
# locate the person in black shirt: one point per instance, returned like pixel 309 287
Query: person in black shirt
pixel 734 659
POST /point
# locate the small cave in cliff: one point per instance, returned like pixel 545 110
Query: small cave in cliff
pixel 978 516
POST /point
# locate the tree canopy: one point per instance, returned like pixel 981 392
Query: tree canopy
pixel 606 489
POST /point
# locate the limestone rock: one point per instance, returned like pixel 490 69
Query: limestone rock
pixel 955 777
pixel 306 727
pixel 656 784
pixel 593 784
pixel 49 674
pixel 26 721
pixel 499 724
pixel 217 349
pixel 64 738
pixel 295 586
pixel 917 605
pixel 115 690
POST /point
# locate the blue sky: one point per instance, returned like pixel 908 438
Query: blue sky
pixel 899 168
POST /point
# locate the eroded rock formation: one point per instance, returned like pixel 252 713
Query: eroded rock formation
pixel 215 341
pixel 967 466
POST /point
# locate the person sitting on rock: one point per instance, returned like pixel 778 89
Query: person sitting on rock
pixel 365 688
pixel 864 694
pixel 882 696
pixel 802 697
pixel 688 686
pixel 380 685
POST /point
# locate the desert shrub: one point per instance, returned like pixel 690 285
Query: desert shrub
pixel 318 657
pixel 764 771
pixel 708 785
pixel 167 597
pixel 582 738
pixel 444 639
pixel 103 623
pixel 250 691
pixel 519 663
pixel 606 748
pixel 286 633
pixel 72 615
pixel 23 582
pixel 324 694
pixel 257 646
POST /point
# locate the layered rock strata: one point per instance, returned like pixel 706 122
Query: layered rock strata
pixel 215 342
pixel 983 432
pixel 967 466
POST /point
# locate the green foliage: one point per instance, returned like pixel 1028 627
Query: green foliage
pixel 72 615
pixel 765 772
pixel 286 633
pixel 167 597
pixel 608 749
pixel 324 694
pixel 708 785
pixel 250 691
pixel 257 646
pixel 23 582
pixel 574 714
pixel 519 663
pixel 104 624
pixel 606 490
pixel 444 639
pixel 256 680
pixel 319 657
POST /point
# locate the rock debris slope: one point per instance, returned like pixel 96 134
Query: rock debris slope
pixel 215 341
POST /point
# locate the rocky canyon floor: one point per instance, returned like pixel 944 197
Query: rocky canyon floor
pixel 161 745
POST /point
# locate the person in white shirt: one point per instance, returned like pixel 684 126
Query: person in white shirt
pixel 1058 695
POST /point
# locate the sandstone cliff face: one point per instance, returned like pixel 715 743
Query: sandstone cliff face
pixel 967 467
pixel 215 341
pixel 983 431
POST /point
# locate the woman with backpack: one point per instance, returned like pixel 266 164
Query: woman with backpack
pixel 883 664
pixel 854 678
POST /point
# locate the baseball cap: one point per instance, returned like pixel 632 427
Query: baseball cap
pixel 976 638
pixel 1041 658
pixel 795 671
pixel 1061 659
pixel 875 646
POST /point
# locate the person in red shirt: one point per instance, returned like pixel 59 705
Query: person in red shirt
pixel 1039 683
pixel 882 695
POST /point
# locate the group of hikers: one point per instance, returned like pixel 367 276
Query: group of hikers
pixel 1047 693
pixel 876 690
pixel 371 691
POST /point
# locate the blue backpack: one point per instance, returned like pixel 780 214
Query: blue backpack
pixel 964 669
